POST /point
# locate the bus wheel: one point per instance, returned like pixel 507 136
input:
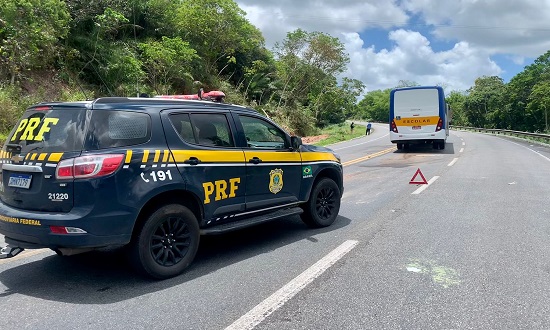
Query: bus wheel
pixel 400 146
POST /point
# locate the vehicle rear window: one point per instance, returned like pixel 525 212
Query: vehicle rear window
pixel 53 130
pixel 109 129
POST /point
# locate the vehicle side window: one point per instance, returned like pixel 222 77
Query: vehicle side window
pixel 182 124
pixel 261 134
pixel 207 129
pixel 109 129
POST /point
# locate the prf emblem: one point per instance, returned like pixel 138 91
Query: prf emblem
pixel 276 180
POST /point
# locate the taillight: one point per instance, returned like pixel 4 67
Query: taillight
pixel 394 127
pixel 439 125
pixel 93 166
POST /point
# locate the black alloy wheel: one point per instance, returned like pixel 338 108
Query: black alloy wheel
pixel 324 204
pixel 170 241
pixel 167 242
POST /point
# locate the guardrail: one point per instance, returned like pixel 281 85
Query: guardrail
pixel 537 137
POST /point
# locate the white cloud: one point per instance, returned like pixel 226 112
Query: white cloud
pixel 478 30
pixel 503 26
pixel 413 59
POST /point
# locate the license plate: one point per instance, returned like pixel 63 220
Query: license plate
pixel 20 181
pixel 417 127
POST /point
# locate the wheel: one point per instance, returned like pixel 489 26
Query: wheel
pixel 442 145
pixel 323 205
pixel 435 145
pixel 167 243
pixel 400 146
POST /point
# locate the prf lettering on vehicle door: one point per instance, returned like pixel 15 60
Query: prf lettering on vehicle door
pixel 32 130
pixel 220 187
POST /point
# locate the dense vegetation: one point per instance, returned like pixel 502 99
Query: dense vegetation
pixel 76 49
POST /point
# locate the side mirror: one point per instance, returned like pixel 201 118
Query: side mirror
pixel 295 142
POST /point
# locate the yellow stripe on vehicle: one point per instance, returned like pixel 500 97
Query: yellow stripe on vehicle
pixel 209 156
pixel 417 121
pixel 318 156
pixel 33 156
pixel 128 157
pixel 273 156
pixel 165 156
pixel 145 156
pixel 157 156
pixel 42 156
pixel 55 156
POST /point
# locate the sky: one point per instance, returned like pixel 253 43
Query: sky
pixel 430 42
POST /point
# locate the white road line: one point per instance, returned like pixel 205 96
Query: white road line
pixel 453 162
pixel 358 144
pixel 284 294
pixel 463 143
pixel 461 150
pixel 423 187
pixel 538 153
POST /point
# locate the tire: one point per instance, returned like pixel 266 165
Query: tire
pixel 167 242
pixel 323 205
pixel 442 145
pixel 400 146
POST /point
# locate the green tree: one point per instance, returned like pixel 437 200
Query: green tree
pixel 519 91
pixel 307 66
pixel 484 98
pixel 538 106
pixel 30 31
pixel 167 63
pixel 456 101
pixel 220 33
pixel 375 105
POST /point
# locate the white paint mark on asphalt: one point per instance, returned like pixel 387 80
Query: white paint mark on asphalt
pixel 461 150
pixel 424 186
pixel 284 294
pixel 510 183
pixel 414 269
pixel 463 143
pixel 453 162
pixel 538 153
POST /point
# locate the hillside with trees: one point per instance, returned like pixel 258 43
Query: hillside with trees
pixel 52 50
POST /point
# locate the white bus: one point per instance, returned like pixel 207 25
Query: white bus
pixel 419 115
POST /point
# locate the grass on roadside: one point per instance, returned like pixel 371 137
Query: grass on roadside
pixel 340 132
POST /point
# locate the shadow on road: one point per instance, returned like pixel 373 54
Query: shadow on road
pixel 428 149
pixel 106 277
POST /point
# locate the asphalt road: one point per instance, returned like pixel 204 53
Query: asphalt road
pixel 468 251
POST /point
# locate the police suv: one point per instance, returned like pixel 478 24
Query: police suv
pixel 154 175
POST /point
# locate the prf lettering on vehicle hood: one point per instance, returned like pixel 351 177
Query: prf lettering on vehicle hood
pixel 220 187
pixel 417 121
pixel 28 127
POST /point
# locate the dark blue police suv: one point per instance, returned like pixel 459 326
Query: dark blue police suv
pixel 154 175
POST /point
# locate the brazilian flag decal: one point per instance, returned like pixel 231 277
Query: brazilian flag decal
pixel 306 172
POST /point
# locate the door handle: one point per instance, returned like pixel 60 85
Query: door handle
pixel 255 160
pixel 192 161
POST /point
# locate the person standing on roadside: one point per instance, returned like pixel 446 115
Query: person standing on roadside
pixel 352 126
pixel 369 125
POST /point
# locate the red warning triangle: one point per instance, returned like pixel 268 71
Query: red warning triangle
pixel 418 182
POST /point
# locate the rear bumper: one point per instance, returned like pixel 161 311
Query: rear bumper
pixel 417 137
pixel 31 230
